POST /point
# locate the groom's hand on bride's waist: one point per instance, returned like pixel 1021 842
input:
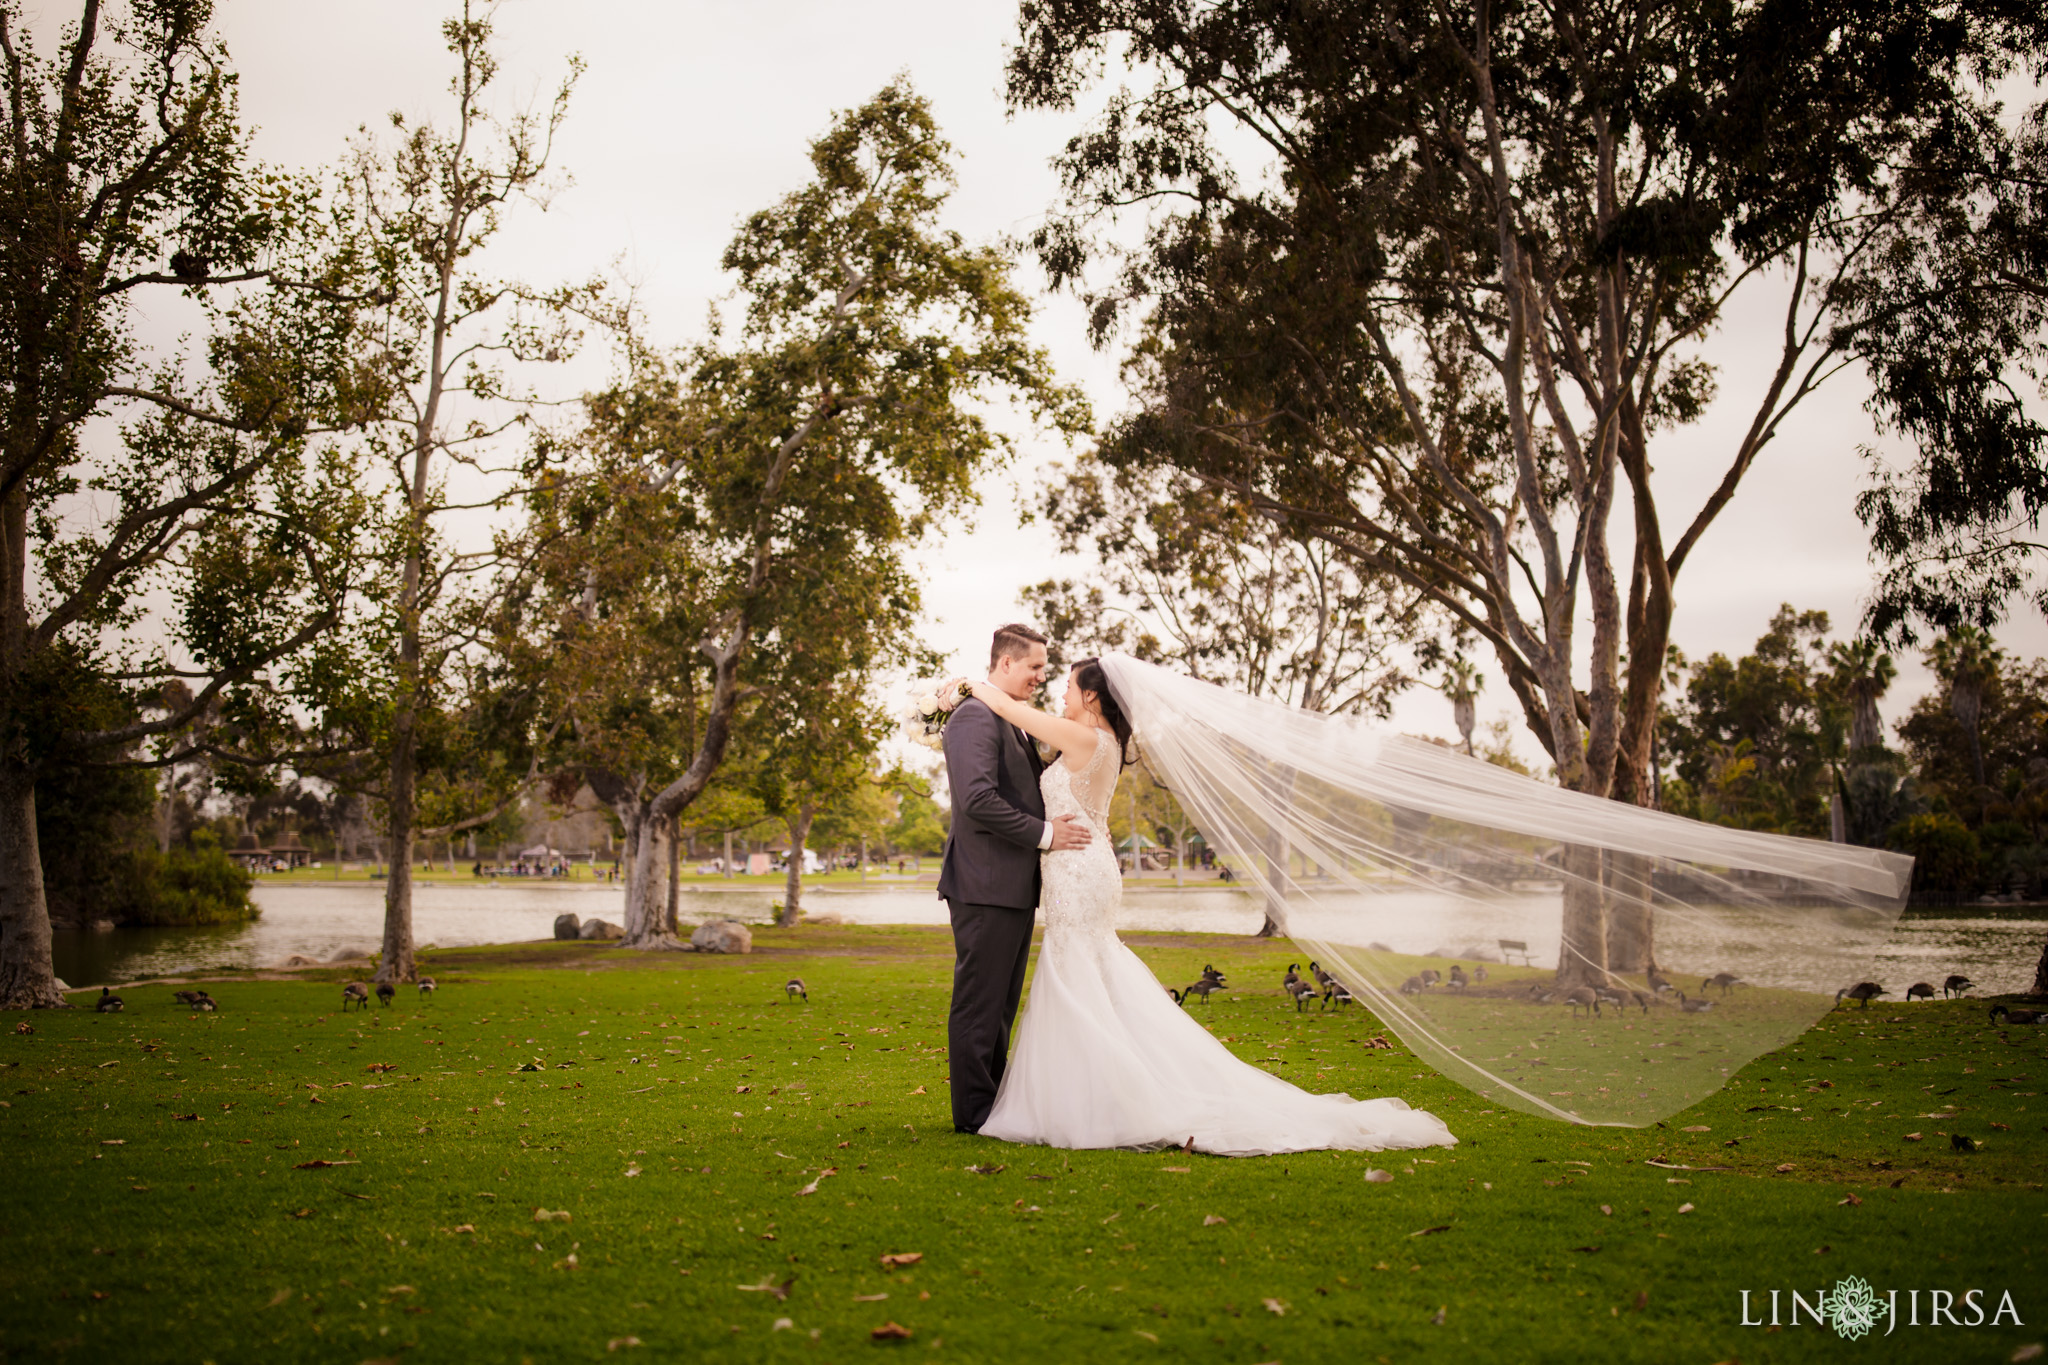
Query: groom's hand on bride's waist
pixel 1069 833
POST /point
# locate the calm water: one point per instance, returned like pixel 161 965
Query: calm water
pixel 1996 948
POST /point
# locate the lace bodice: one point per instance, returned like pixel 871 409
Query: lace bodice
pixel 1082 887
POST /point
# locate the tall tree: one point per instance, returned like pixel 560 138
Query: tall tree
pixel 205 524
pixel 429 711
pixel 1863 673
pixel 1445 280
pixel 791 468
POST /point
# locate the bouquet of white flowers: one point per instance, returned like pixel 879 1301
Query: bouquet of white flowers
pixel 924 719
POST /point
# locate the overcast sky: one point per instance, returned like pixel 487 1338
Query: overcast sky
pixel 697 112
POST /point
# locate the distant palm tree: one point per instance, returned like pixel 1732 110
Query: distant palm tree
pixel 1967 660
pixel 1865 673
pixel 1462 685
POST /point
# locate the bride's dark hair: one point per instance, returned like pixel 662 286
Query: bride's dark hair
pixel 1089 677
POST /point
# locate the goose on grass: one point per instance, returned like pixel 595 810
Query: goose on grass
pixel 354 993
pixel 108 1003
pixel 1866 991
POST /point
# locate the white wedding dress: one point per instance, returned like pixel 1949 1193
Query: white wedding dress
pixel 1105 1058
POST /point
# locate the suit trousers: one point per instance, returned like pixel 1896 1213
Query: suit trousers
pixel 991 948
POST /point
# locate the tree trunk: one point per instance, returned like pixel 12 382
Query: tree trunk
pixel 396 960
pixel 793 884
pixel 1631 945
pixel 1582 955
pixel 27 979
pixel 675 880
pixel 728 855
pixel 2041 972
pixel 646 894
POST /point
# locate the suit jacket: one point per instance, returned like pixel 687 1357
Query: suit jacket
pixel 998 812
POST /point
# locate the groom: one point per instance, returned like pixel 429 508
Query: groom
pixel 989 879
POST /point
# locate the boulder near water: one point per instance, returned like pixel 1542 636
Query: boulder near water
pixel 722 936
pixel 568 926
pixel 601 930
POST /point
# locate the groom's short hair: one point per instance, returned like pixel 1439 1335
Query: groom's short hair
pixel 1012 642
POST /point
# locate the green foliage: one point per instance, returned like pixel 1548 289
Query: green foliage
pixel 920 824
pixel 1945 853
pixel 101 860
pixel 191 885
pixel 1987 758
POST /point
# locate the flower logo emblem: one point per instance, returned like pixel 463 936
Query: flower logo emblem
pixel 1852 1307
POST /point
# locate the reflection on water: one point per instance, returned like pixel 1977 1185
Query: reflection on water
pixel 1997 951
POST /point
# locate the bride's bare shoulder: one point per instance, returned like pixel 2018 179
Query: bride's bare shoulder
pixel 1077 757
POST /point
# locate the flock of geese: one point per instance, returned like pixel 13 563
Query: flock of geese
pixel 199 1002
pixel 354 993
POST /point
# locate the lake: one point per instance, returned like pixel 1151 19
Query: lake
pixel 1995 946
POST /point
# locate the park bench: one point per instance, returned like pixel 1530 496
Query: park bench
pixel 1510 946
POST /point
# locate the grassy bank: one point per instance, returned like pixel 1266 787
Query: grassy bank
pixel 162 1206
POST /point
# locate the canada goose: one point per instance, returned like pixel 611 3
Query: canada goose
pixel 427 988
pixel 2013 1016
pixel 1458 979
pixel 1582 997
pixel 385 990
pixel 1204 988
pixel 1958 984
pixel 1302 993
pixel 202 1003
pixel 1866 991
pixel 1608 995
pixel 1412 986
pixel 1479 973
pixel 184 997
pixel 794 989
pixel 1542 994
pixel 1962 1143
pixel 1920 990
pixel 1430 976
pixel 1178 998
pixel 1691 1006
pixel 1322 978
pixel 1642 999
pixel 1293 977
pixel 108 1003
pixel 1340 994
pixel 1659 983
pixel 1209 973
pixel 354 993
pixel 1727 981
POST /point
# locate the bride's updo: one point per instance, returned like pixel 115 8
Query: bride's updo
pixel 1089 677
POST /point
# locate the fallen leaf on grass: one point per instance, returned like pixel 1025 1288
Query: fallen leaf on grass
pixel 1912 1137
pixel 769 1285
pixel 869 1298
pixel 897 1260
pixel 1642 1300
pixel 318 1165
pixel 621 1343
pixel 1275 1307
pixel 1438 1319
pixel 104 1065
pixel 1149 1336
pixel 891 1331
pixel 186 1118
pixel 551 1216
pixel 986 1170
pixel 1607 1210
pixel 743 1090
pixel 1425 1232
pixel 1170 1170
pixel 113 1142
pixel 1585 1248
pixel 303 1213
pixel 1212 1220
pixel 1785 1166
pixel 1852 1199
pixel 1696 1128
pixel 381 1066
pixel 812 1188
pixel 1378 1177
pixel 918 1091
pixel 1685 1208
pixel 784 1325
pixel 463 1227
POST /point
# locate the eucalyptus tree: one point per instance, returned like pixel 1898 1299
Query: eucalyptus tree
pixel 1431 281
pixel 786 470
pixel 443 736
pixel 171 529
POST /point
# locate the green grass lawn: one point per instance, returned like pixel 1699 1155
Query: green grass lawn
pixel 698 1135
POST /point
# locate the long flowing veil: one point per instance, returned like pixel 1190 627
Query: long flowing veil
pixel 1568 956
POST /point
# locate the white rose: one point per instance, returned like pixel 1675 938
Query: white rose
pixel 926 702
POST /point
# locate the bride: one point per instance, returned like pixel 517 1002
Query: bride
pixel 1104 1057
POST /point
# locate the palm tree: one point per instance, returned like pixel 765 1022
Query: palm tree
pixel 1967 660
pixel 1462 685
pixel 1865 673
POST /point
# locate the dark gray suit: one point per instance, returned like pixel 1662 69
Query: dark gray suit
pixel 989 881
